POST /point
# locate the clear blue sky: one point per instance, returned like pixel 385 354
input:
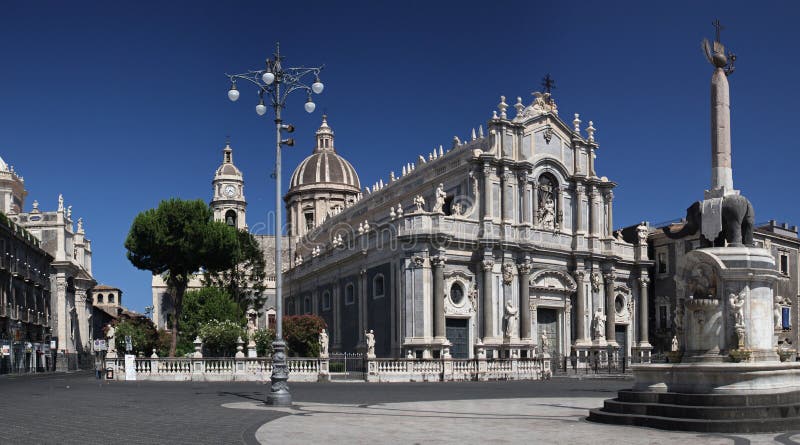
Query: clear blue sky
pixel 119 106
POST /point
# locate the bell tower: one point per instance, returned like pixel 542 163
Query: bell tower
pixel 228 200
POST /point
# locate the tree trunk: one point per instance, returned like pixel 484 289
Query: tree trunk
pixel 178 285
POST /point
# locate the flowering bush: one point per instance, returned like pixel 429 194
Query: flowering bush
pixel 301 333
pixel 219 337
pixel 264 339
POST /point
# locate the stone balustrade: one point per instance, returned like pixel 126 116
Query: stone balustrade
pixel 317 369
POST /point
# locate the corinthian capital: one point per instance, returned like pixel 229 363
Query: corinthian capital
pixel 524 268
pixel 438 261
pixel 487 265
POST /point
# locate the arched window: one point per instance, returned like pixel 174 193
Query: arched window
pixel 99 298
pixel 349 294
pixel 110 298
pixel 309 216
pixel 377 286
pixel 230 218
pixel 456 293
pixel 547 212
pixel 326 301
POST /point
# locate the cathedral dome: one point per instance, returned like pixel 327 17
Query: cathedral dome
pixel 325 166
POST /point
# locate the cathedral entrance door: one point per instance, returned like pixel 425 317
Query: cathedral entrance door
pixel 621 337
pixel 457 333
pixel 548 325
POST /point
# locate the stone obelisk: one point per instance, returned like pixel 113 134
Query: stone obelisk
pixel 721 170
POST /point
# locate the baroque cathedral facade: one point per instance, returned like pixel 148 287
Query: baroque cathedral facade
pixel 499 247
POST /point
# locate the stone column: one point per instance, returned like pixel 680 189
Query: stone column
pixel 535 209
pixel 83 313
pixel 559 216
pixel 486 301
pixel 362 307
pixel 643 337
pixel 525 217
pixel 721 172
pixel 508 197
pixel 611 313
pixel 437 263
pixel 610 202
pixel 337 317
pixel 593 212
pixel 524 269
pixel 580 308
pixel 579 195
pixel 487 192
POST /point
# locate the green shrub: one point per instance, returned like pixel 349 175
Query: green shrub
pixel 301 333
pixel 219 338
pixel 264 339
pixel 143 335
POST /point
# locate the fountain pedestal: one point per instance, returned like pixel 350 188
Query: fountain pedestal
pixel 730 378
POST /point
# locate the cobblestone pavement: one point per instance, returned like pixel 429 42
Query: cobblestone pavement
pixel 77 409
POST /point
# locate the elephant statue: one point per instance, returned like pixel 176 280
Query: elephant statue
pixel 738 220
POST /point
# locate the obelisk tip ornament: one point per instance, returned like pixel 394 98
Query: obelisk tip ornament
pixel 721 169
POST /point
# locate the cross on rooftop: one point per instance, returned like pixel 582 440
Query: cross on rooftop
pixel 548 83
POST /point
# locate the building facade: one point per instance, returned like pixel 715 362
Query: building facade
pixel 70 274
pixel 500 246
pixel 25 305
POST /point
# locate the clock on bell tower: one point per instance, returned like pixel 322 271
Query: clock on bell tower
pixel 228 201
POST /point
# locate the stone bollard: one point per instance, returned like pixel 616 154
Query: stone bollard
pixel 197 358
pixel 239 348
pixel 238 358
pixel 324 369
pixel 514 367
pixel 483 367
pixel 372 368
pixel 447 363
pixel 154 362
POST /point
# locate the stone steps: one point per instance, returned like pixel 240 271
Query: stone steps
pixel 703 413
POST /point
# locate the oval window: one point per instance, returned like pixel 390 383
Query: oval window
pixel 456 293
pixel 619 304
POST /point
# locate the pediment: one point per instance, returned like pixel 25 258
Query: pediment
pixel 552 281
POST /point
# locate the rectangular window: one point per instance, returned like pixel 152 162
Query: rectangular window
pixel 785 264
pixel 349 294
pixel 662 317
pixel 786 321
pixel 309 221
pixel 378 287
pixel 326 301
pixel 662 262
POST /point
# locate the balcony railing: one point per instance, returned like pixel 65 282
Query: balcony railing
pixel 318 369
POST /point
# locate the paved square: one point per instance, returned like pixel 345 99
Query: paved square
pixel 77 409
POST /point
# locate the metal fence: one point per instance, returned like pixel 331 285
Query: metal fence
pixel 347 366
pixel 590 364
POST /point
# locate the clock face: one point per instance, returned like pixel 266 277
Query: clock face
pixel 230 190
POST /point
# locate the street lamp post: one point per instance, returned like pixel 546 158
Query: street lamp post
pixel 269 81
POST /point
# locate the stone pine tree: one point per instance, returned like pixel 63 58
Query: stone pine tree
pixel 244 281
pixel 177 239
